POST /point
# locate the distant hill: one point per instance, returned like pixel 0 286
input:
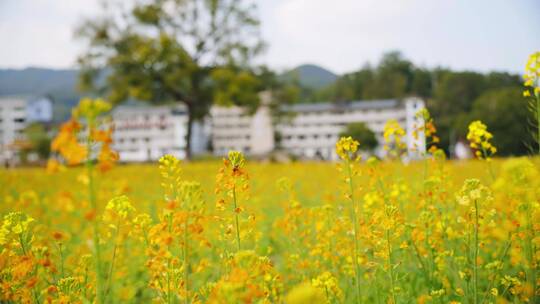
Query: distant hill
pixel 311 76
pixel 59 85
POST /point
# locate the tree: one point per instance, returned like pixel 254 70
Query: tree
pixel 504 111
pixel 393 77
pixel 360 132
pixel 195 52
pixel 39 140
pixel 422 83
pixel 454 94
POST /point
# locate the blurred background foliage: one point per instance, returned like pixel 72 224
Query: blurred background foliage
pixel 200 53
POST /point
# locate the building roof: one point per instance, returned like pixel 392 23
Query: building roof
pixel 342 106
pixel 144 107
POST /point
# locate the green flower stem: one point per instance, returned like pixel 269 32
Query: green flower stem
pixel 93 203
pixel 356 230
pixel 475 254
pixel 186 261
pixel 236 219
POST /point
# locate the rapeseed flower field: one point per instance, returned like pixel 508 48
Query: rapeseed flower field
pixel 381 232
pixel 86 230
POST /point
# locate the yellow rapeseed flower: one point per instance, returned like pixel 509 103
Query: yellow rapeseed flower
pixel 13 226
pixel 236 159
pixel 393 138
pixel 304 293
pixel 346 147
pixel 479 138
pixel 91 108
pixel 120 206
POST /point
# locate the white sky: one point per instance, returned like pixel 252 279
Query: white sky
pixel 341 35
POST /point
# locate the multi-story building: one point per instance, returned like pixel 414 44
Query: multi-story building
pixel 39 110
pixel 233 128
pixel 311 130
pixel 15 115
pixel 314 129
pixel 145 133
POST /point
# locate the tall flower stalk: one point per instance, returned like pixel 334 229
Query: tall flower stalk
pixel 96 146
pixel 532 92
pixel 472 195
pixel 118 213
pixel 346 149
pixel 231 181
pixel 479 138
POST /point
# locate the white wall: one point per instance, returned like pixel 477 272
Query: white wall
pixel 145 133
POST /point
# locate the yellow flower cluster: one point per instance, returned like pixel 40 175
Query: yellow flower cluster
pixel 91 108
pixel 305 293
pixel 346 148
pixel 472 191
pixel 329 284
pixel 84 119
pixel 67 144
pixel 14 226
pixel 429 130
pixel 169 167
pixel 532 75
pixel 479 138
pixel 251 279
pixel 236 159
pixel 120 206
pixel 393 138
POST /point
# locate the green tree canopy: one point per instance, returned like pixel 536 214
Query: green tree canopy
pixel 505 113
pixel 39 140
pixel 194 52
pixel 363 134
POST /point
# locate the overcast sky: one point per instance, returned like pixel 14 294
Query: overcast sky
pixel 341 35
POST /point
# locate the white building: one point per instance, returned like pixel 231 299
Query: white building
pixel 312 129
pixel 145 133
pixel 15 115
pixel 39 110
pixel 233 128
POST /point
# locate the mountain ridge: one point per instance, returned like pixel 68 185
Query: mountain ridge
pixel 310 75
